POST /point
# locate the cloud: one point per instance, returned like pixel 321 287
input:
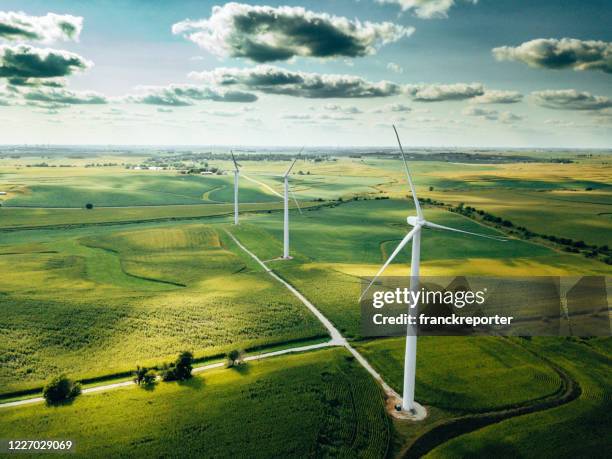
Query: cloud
pixel 349 110
pixel 393 108
pixel 481 112
pixel 570 99
pixel 164 110
pixel 46 29
pixel 491 115
pixel 426 9
pixel 560 54
pixel 498 97
pixel 184 95
pixel 296 117
pixel 64 97
pixel 22 62
pixel 275 80
pixel 395 67
pixel 445 92
pixel 266 34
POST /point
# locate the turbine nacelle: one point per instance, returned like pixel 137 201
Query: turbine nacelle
pixel 415 221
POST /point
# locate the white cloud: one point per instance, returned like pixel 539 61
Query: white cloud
pixel 47 29
pixel 444 92
pixel 426 9
pixel 395 67
pixel 570 99
pixel 498 97
pixel 276 80
pixel 560 54
pixel 266 34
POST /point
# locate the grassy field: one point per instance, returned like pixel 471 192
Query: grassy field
pixel 577 429
pixel 94 292
pixel 320 404
pixel 101 303
pixel 465 374
pixel 334 247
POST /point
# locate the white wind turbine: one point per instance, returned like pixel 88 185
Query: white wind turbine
pixel 418 222
pixel 284 196
pixel 236 176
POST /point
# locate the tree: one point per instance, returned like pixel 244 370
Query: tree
pixel 61 389
pixel 89 206
pixel 180 369
pixel 184 365
pixel 144 376
pixel 234 357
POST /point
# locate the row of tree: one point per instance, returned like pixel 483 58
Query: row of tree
pixel 602 252
pixel 62 389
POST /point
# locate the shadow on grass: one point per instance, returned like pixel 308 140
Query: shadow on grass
pixel 195 383
pixel 241 368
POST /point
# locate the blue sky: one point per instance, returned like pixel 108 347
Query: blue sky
pixel 131 44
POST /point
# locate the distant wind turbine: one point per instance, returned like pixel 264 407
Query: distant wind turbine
pixel 418 222
pixel 236 176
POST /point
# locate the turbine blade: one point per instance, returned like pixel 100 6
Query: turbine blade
pixel 262 184
pixel 441 227
pixel 414 195
pixel 290 167
pixel 399 247
pixel 295 200
pixel 234 159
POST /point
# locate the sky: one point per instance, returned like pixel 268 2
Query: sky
pixel 456 73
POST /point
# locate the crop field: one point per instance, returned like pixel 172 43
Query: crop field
pixel 449 366
pixel 95 292
pixel 577 429
pixel 102 303
pixel 315 404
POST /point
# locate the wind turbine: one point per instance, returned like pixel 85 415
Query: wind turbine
pixel 236 176
pixel 286 212
pixel 417 222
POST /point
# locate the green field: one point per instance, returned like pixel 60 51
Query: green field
pixel 316 404
pixel 102 303
pixel 93 293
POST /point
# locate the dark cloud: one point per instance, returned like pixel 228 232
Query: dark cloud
pixel 64 97
pixel 186 95
pixel 266 34
pixel 23 62
pixel 560 54
pixel 275 80
pixel 570 99
pixel 49 28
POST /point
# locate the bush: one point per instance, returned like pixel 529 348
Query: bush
pixel 234 357
pixel 89 206
pixel 180 369
pixel 144 376
pixel 61 389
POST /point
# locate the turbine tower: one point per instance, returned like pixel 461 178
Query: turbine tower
pixel 417 222
pixel 286 212
pixel 236 176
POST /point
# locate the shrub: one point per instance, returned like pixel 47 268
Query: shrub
pixel 234 357
pixel 61 389
pixel 180 369
pixel 89 206
pixel 144 376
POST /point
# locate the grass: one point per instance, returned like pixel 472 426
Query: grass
pixel 92 305
pixel 465 374
pixel 315 404
pixel 577 429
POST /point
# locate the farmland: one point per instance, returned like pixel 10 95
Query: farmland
pixel 317 404
pixel 93 293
